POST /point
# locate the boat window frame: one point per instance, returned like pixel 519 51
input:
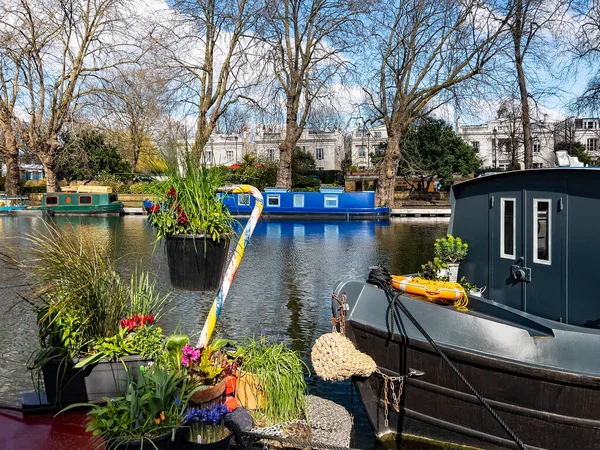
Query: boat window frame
pixel 329 197
pixel 55 197
pixel 503 201
pixel 299 197
pixel 536 260
pixel 273 197
pixel 85 203
pixel 243 199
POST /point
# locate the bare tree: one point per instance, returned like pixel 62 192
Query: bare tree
pixel 586 47
pixel 305 42
pixel 132 105
pixel 49 50
pixel 206 44
pixel 530 26
pixel 424 48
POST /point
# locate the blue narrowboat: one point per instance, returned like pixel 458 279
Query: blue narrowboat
pixel 330 202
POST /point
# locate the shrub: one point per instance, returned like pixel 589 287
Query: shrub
pixel 34 186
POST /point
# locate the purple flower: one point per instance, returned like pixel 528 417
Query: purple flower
pixel 195 354
pixel 185 360
pixel 211 415
pixel 187 350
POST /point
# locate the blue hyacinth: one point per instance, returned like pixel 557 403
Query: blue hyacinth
pixel 211 415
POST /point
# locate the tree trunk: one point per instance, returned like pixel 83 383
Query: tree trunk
pixel 49 163
pixel 286 148
pixel 517 33
pixel 386 181
pixel 11 158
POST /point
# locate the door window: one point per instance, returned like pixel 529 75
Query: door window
pixel 542 231
pixel 507 227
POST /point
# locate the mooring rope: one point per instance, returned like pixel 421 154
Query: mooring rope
pixel 381 277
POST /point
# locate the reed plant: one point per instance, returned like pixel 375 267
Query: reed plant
pixel 280 377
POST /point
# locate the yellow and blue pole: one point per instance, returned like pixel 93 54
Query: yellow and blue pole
pixel 215 310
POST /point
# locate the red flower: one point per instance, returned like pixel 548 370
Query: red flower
pixel 182 219
pixel 137 321
pixel 154 209
pixel 171 193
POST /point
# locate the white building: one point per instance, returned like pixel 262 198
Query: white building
pixel 586 131
pixel 327 147
pixel 498 140
pixel 363 142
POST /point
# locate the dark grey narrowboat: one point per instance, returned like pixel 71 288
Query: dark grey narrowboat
pixel 531 348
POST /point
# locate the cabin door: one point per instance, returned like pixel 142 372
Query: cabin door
pixel 545 214
pixel 506 247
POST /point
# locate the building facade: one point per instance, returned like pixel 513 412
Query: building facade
pixel 327 147
pixel 363 142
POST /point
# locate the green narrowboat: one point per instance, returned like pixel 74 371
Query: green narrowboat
pixel 84 200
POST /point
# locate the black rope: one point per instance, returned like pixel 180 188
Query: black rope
pixel 381 277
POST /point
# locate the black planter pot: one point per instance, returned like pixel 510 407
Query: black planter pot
pixel 64 384
pixel 223 444
pixel 191 267
pixel 163 442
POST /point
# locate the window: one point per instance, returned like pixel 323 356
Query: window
pixel 229 155
pixel 207 155
pixel 51 200
pixel 320 168
pixel 271 153
pixel 538 165
pixel 298 200
pixel 244 199
pixel 378 134
pixel 319 154
pixel 273 200
pixel 591 145
pixel 541 228
pixel 331 201
pixel 475 145
pixel 589 124
pixel 85 199
pixel 507 227
pixel 536 147
pixel 361 152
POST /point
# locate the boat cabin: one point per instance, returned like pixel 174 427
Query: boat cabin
pixel 84 200
pixel 532 240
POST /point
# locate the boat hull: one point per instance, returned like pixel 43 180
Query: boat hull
pixel 545 408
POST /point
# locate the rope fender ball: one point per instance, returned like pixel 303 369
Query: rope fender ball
pixel 335 358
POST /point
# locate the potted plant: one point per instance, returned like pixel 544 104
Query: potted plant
pixel 436 270
pixel 451 250
pixel 206 428
pixel 207 369
pixel 93 326
pixel 197 227
pixel 147 416
pixel 271 380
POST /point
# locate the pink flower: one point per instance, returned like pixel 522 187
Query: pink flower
pixel 187 350
pixel 195 354
pixel 185 360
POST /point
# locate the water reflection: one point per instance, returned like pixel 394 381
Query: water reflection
pixel 283 285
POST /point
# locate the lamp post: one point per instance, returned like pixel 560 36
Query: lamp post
pixel 495 148
pixel 236 158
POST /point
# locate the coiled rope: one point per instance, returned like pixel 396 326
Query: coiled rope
pixel 381 277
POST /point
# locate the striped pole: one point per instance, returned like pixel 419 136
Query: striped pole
pixel 215 310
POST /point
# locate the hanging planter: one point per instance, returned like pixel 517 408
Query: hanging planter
pixel 196 263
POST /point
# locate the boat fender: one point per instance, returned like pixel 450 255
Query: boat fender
pixel 335 358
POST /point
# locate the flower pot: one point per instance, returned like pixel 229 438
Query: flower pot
pixel 162 442
pixel 453 272
pixel 65 384
pixel 191 267
pixel 248 393
pixel 222 444
pixel 477 292
pixel 209 394
pixel 231 381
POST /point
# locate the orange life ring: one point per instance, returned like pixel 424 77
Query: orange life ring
pixel 428 288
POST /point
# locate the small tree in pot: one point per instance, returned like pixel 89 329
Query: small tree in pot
pixel 451 250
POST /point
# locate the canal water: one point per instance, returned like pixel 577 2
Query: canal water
pixel 283 285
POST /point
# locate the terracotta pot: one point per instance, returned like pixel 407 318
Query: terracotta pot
pixel 248 393
pixel 209 394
